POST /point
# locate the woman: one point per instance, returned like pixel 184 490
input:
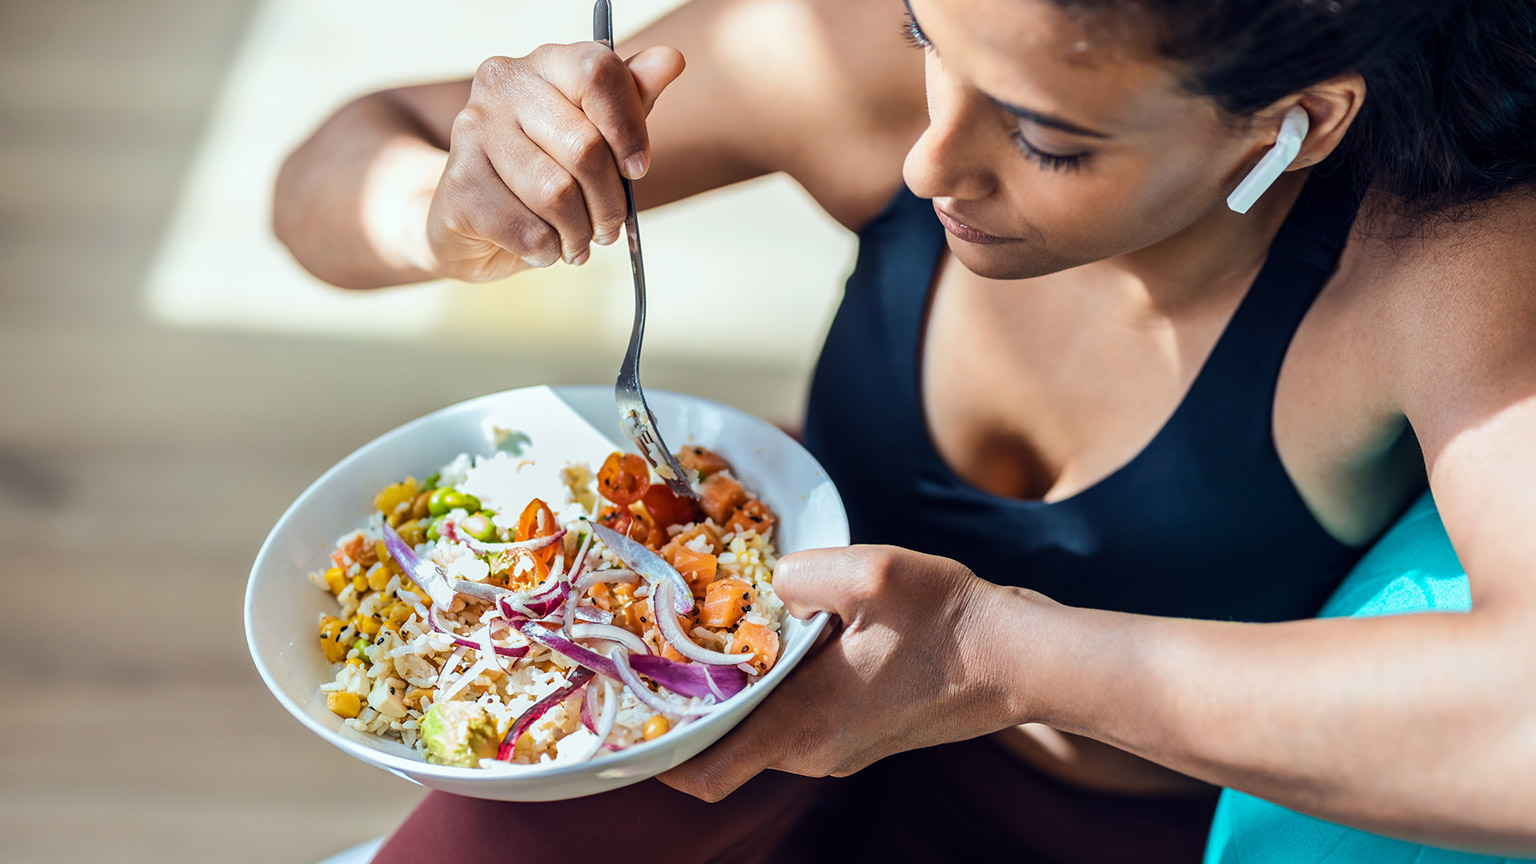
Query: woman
pixel 1133 435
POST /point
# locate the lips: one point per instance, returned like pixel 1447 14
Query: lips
pixel 965 232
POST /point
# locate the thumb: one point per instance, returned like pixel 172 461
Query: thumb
pixel 654 69
pixel 820 580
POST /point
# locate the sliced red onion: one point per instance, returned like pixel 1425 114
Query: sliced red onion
pixel 607 719
pixel 442 627
pixel 619 575
pixel 484 548
pixel 589 708
pixel 651 698
pixel 428 575
pixel 612 634
pixel 607 714
pixel 679 640
pixel 715 688
pixel 691 679
pixel 684 679
pixel 583 613
pixel 593 614
pixel 449 665
pixel 648 564
pixel 481 591
pixel 552 640
pixel 577 678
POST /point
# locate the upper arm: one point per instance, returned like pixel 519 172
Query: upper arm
pixel 823 90
pixel 1467 385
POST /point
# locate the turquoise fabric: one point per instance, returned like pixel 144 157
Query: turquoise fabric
pixel 1412 569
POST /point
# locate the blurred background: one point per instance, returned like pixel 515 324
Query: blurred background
pixel 172 381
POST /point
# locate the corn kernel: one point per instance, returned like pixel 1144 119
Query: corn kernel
pixel 397 616
pixel 359 583
pixel 656 727
pixel 330 639
pixel 391 497
pixel 367 625
pixel 378 579
pixel 413 532
pixel 343 704
pixel 336 580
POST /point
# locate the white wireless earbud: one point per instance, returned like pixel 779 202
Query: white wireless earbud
pixel 1293 129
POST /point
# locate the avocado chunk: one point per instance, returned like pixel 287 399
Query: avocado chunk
pixel 459 733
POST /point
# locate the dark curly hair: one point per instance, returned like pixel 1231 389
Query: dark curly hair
pixel 1449 118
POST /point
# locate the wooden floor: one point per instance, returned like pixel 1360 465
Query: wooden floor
pixel 141 467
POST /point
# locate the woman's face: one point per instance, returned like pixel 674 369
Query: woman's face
pixel 1050 145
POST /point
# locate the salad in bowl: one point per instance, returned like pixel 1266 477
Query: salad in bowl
pixel 538 616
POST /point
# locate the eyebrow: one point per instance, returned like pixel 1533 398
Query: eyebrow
pixel 1048 120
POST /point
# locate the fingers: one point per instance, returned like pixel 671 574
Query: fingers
pixel 474 215
pixel 770 737
pixel 573 146
pixel 606 89
pixel 545 139
pixel 545 187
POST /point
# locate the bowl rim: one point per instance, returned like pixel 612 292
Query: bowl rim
pixel 412 768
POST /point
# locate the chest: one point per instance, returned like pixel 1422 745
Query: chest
pixel 1040 389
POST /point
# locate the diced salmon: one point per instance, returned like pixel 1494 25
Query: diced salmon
pixel 760 642
pixel 602 596
pixel 711 538
pixel 637 617
pixel 702 460
pixel 720 495
pixel 725 603
pixel 350 551
pixel 697 568
pixel 670 653
pixel 752 516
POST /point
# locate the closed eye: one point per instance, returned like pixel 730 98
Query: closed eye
pixel 1045 159
pixel 914 34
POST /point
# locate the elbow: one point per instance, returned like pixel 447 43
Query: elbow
pixel 296 204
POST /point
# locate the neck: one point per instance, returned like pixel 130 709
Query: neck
pixel 1204 263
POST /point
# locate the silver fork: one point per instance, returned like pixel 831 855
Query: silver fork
pixel 634 415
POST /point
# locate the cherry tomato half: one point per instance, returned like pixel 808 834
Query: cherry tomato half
pixel 667 507
pixel 625 523
pixel 623 478
pixel 532 524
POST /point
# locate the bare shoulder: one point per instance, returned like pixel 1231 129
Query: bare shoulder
pixel 1456 300
pixel 825 90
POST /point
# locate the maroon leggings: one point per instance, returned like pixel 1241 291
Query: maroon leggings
pixel 952 803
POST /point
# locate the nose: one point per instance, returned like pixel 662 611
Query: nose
pixel 950 159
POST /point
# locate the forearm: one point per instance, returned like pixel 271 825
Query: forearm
pixel 1422 726
pixel 351 202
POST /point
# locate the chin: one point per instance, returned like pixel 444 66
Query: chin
pixel 1017 259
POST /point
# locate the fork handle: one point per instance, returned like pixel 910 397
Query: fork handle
pixel 602 33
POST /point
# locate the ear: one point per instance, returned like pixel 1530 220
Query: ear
pixel 1332 107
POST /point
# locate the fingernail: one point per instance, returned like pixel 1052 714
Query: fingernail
pixel 581 258
pixel 606 239
pixel 634 166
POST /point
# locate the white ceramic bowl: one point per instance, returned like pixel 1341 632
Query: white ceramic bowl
pixel 281 605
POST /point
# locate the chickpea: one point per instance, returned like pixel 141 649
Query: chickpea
pixel 656 727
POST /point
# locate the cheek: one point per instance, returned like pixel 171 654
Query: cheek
pixel 1113 206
